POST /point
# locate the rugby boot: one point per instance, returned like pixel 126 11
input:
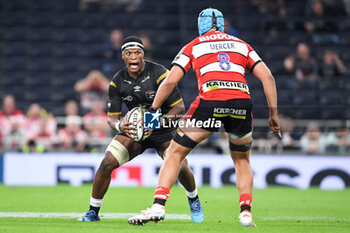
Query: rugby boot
pixel 197 214
pixel 246 219
pixel 155 213
pixel 90 216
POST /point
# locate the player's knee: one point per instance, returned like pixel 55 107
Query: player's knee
pixel 108 164
pixel 240 148
pixel 118 151
pixel 184 166
pixel 184 140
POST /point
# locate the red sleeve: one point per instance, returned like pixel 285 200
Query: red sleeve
pixel 252 58
pixel 183 58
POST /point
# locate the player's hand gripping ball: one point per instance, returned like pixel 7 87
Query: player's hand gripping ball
pixel 136 118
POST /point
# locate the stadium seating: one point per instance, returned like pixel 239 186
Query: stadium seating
pixel 54 43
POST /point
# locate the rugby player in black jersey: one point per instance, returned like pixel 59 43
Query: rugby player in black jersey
pixel 136 85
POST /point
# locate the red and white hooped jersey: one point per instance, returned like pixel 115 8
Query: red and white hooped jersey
pixel 219 61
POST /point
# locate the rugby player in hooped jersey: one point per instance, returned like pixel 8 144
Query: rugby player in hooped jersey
pixel 136 85
pixel 219 61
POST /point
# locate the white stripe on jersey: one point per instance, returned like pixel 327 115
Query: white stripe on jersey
pixel 253 55
pixel 216 67
pixel 219 46
pixel 182 60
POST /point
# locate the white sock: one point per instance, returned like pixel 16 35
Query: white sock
pixel 96 202
pixel 192 194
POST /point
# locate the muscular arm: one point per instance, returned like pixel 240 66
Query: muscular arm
pixel 176 111
pixel 125 127
pixel 112 119
pixel 115 110
pixel 264 74
pixel 167 86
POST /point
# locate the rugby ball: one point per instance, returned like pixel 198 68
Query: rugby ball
pixel 136 117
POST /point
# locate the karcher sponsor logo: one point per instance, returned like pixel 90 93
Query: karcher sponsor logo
pixel 216 84
pixel 234 111
pixel 231 112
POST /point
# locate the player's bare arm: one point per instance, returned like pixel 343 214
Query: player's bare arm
pixel 167 86
pixel 176 112
pixel 262 72
pixel 115 122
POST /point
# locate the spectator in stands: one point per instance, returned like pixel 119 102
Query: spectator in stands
pixel 277 20
pixel 332 66
pixel 288 64
pixel 93 87
pixel 71 108
pixel 72 137
pixel 339 141
pixel 11 119
pixel 112 53
pixel 262 6
pixel 303 64
pixel 313 141
pixel 333 7
pixel 35 114
pixel 15 138
pixel 147 45
pixel 229 29
pixel 95 121
pixel 320 26
pixel 41 128
pixel 289 136
pixel 42 141
pixel 318 15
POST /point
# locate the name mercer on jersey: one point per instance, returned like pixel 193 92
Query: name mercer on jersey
pixel 219 84
pixel 222 46
pixel 208 45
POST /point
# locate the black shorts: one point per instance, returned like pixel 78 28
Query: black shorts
pixel 235 115
pixel 157 138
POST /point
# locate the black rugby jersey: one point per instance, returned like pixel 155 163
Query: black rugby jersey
pixel 139 92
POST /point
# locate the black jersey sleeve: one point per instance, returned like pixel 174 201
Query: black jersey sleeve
pixel 115 102
pixel 175 96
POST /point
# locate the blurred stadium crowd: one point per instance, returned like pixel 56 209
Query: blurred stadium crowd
pixel 58 56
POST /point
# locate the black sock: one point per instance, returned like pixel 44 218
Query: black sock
pixel 245 207
pixel 159 201
pixel 193 199
pixel 96 209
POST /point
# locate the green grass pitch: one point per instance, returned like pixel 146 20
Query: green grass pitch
pixel 275 209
